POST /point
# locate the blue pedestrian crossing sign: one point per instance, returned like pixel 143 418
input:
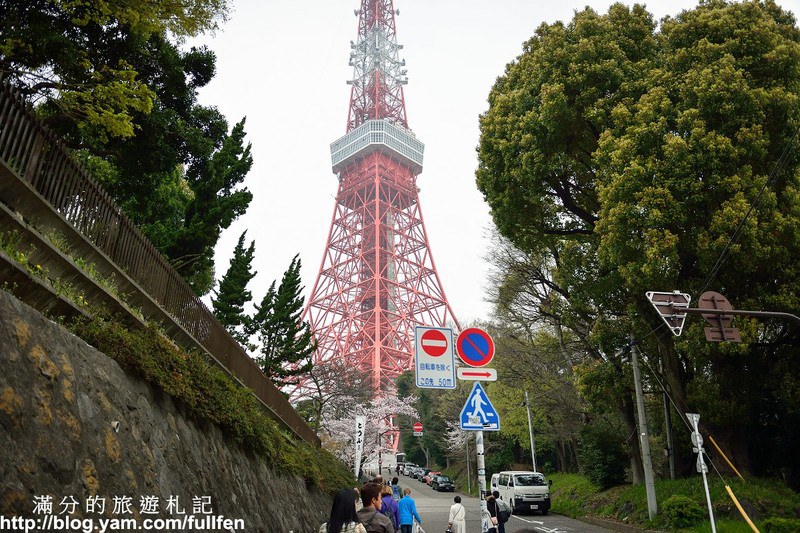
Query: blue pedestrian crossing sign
pixel 478 413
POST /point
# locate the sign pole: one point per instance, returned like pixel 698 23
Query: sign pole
pixel 530 431
pixel 482 480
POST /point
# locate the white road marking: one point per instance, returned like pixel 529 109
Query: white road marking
pixel 528 521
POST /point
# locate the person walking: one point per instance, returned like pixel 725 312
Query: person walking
pixel 502 517
pixel 458 517
pixel 369 515
pixel 343 518
pixel 491 506
pixel 397 492
pixel 389 507
pixel 407 512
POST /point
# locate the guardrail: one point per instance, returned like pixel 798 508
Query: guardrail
pixel 41 181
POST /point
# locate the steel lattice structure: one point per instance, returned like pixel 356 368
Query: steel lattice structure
pixel 377 280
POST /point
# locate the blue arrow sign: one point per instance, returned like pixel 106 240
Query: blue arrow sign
pixel 478 413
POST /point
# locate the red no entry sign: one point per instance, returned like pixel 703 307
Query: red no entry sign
pixel 434 343
pixel 418 427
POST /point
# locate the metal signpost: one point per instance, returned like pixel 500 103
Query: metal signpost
pixel 697 443
pixel 479 414
pixel 434 364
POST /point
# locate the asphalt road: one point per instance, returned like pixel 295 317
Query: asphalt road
pixel 434 509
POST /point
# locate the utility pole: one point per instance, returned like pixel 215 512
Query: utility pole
pixel 644 439
pixel 530 431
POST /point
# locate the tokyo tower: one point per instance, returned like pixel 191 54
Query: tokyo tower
pixel 377 280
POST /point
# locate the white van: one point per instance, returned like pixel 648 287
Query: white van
pixel 523 490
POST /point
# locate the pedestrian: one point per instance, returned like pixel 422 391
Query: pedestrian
pixel 389 507
pixel 397 492
pixel 407 512
pixel 503 512
pixel 343 518
pixel 358 498
pixel 378 479
pixel 457 523
pixel 397 469
pixel 491 506
pixel 369 515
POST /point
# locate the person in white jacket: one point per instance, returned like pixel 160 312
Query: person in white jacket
pixel 458 517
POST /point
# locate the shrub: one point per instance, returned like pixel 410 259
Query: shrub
pixel 781 525
pixel 209 394
pixel 603 455
pixel 680 511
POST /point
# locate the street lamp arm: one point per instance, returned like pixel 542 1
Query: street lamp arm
pixel 740 312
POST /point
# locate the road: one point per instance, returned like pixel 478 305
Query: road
pixel 434 509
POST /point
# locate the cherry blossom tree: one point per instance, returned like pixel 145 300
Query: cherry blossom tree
pixel 338 433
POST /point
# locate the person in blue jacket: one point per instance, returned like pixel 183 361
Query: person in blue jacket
pixel 407 511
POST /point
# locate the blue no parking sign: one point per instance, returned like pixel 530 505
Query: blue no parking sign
pixel 475 347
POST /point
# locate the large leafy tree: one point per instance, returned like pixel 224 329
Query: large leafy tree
pixel 233 293
pixel 621 159
pixel 65 53
pixel 110 78
pixel 538 172
pixel 285 344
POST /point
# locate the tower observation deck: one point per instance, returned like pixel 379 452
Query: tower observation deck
pixel 377 279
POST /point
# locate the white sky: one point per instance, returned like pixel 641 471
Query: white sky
pixel 283 64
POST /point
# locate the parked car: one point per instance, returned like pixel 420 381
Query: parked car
pixel 429 477
pixel 442 483
pixel 407 468
pixel 417 472
pixel 424 472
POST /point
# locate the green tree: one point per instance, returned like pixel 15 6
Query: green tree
pixel 285 344
pixel 620 159
pixel 63 54
pixel 233 294
pixel 112 81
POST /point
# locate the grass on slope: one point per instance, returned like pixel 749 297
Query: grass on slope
pixel 767 502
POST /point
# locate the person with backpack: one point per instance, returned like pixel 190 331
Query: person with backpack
pixel 369 515
pixel 503 512
pixel 389 507
pixel 397 492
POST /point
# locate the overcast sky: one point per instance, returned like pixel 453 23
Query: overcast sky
pixel 283 65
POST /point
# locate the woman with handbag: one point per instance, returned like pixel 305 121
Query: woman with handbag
pixel 457 523
pixel 491 506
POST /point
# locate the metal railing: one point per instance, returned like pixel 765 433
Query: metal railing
pixel 33 157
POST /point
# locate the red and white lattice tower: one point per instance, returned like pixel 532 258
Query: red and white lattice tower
pixel 377 280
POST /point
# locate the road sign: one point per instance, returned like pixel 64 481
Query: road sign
pixel 475 347
pixel 476 374
pixel 434 365
pixel 720 329
pixel 668 305
pixel 417 433
pixel 418 426
pixel 478 413
pixel 433 343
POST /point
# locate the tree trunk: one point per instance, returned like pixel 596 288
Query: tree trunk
pixel 561 456
pixel 637 468
pixel 573 445
pixel 672 369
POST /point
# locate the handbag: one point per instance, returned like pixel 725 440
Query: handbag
pixel 448 530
